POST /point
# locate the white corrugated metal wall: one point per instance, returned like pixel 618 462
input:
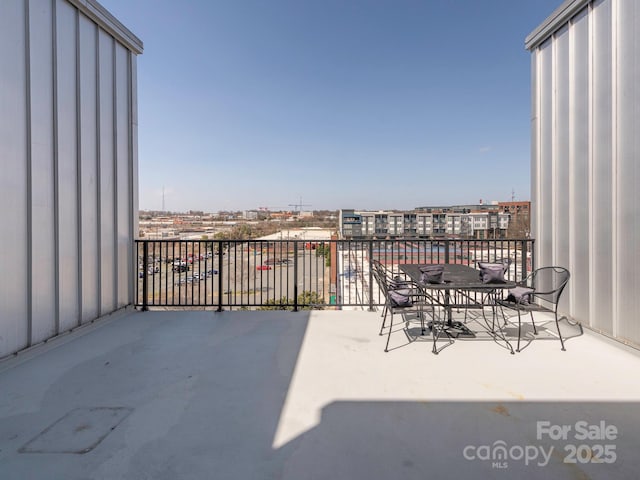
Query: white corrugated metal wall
pixel 586 157
pixel 68 130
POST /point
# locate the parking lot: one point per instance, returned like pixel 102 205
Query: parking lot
pixel 244 275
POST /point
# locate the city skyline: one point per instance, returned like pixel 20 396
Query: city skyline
pixel 294 208
pixel 245 105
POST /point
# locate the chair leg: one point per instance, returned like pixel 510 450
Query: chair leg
pixel 436 336
pixel 535 331
pixel 519 331
pixel 384 319
pixel 386 348
pixel 559 334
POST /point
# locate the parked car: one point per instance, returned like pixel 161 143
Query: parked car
pixel 263 267
pixel 277 261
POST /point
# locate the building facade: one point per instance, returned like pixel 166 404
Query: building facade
pixel 426 222
pixel 585 151
pixel 68 143
pixel 519 218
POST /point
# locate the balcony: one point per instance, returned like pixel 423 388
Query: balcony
pixel 310 394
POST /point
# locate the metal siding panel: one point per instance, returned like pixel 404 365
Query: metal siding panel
pixel 545 170
pixel 557 19
pixel 579 218
pixel 14 310
pixel 67 165
pixel 107 185
pixel 602 175
pixel 535 146
pixel 89 252
pixel 561 154
pixel 628 177
pixel 42 170
pixel 123 172
pixel 134 169
pixel 107 22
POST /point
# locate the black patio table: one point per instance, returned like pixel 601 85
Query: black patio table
pixel 462 280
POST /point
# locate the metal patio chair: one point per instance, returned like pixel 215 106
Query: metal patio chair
pixel 539 291
pixel 506 262
pixel 401 296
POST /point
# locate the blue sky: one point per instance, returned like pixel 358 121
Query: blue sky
pixel 366 104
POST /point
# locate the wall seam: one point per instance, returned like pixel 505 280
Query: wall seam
pixel 98 177
pixel 572 159
pixel 79 226
pixel 114 121
pixel 56 175
pixel 29 179
pixel 554 149
pixel 590 167
pixel 614 166
pixel 133 261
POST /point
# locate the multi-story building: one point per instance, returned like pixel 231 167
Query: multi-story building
pixel 519 218
pixel 469 221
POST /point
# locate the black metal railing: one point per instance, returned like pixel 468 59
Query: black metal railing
pixel 295 274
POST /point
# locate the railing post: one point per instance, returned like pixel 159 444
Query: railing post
pixel 446 251
pixel 533 254
pixel 145 283
pixel 295 275
pixel 220 262
pixel 523 259
pixel 370 242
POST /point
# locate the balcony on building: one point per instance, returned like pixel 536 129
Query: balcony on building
pixel 98 384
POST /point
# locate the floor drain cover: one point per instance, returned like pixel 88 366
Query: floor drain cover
pixel 79 431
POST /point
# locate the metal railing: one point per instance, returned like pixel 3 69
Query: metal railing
pixel 295 274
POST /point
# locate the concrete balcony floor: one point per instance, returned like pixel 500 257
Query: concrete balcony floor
pixel 312 395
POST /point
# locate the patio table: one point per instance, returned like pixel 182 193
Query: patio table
pixel 462 280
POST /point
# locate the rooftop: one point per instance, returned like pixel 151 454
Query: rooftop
pixel 311 394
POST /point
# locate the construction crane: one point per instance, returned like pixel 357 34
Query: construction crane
pixel 298 206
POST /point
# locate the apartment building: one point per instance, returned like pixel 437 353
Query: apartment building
pixel 519 218
pixel 426 222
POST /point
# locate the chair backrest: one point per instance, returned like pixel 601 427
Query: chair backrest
pixel 393 289
pixel 548 283
pixel 379 273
